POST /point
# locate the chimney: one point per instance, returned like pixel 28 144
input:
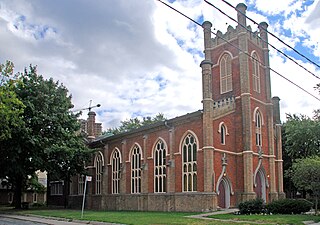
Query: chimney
pixel 91 125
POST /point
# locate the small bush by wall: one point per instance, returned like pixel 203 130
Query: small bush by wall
pixel 289 206
pixel 255 206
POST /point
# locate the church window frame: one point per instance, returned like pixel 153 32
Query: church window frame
pixel 225 73
pixel 256 78
pixel 189 163
pixel 81 181
pixel 160 167
pixel 99 163
pixel 136 169
pixel 258 128
pixel 116 165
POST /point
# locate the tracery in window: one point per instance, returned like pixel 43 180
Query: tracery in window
pixel 99 172
pixel 116 170
pixel 255 72
pixel 189 163
pixel 81 180
pixel 160 169
pixel 225 74
pixel 136 169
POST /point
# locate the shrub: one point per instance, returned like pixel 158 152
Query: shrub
pixel 255 206
pixel 36 204
pixel 289 206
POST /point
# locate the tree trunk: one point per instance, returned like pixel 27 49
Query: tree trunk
pixel 17 194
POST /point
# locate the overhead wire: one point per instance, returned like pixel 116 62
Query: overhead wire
pixel 301 88
pixel 273 35
pixel 278 50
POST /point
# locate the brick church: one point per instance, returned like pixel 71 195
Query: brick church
pixel 226 153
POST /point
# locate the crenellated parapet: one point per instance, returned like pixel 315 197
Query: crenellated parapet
pixel 223 106
pixel 232 33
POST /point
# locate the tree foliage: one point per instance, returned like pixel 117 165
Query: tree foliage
pixel 306 175
pixel 48 140
pixel 302 136
pixel 135 123
pixel 10 106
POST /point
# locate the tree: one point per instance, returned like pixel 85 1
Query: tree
pixel 306 176
pixel 135 123
pixel 10 106
pixel 302 136
pixel 48 140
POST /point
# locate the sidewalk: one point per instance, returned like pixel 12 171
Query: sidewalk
pixel 53 220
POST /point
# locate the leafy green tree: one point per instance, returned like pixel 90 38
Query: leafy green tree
pixel 10 106
pixel 302 136
pixel 48 140
pixel 135 123
pixel 306 176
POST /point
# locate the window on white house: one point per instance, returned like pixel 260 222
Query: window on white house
pixel 189 163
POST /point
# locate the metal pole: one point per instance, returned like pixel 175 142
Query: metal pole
pixel 84 196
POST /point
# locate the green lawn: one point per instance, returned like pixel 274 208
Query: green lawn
pixel 277 219
pixel 138 218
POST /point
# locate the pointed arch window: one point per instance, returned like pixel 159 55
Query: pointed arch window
pixel 81 179
pixel 256 72
pixel 223 134
pixel 189 163
pixel 160 169
pixel 136 169
pixel 116 170
pixel 225 74
pixel 258 123
pixel 99 172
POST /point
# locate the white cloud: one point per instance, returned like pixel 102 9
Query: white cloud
pixel 139 57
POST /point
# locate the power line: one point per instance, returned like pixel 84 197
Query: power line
pixel 240 50
pixel 296 51
pixel 278 50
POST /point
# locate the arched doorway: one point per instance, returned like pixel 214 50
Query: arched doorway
pixel 260 188
pixel 224 194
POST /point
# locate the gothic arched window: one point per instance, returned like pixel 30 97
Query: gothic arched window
pixel 98 164
pixel 225 74
pixel 255 72
pixel 160 169
pixel 223 134
pixel 258 124
pixel 136 169
pixel 116 170
pixel 189 163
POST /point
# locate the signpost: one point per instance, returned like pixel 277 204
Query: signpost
pixel 88 178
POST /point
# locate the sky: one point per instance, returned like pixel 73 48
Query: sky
pixel 139 58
